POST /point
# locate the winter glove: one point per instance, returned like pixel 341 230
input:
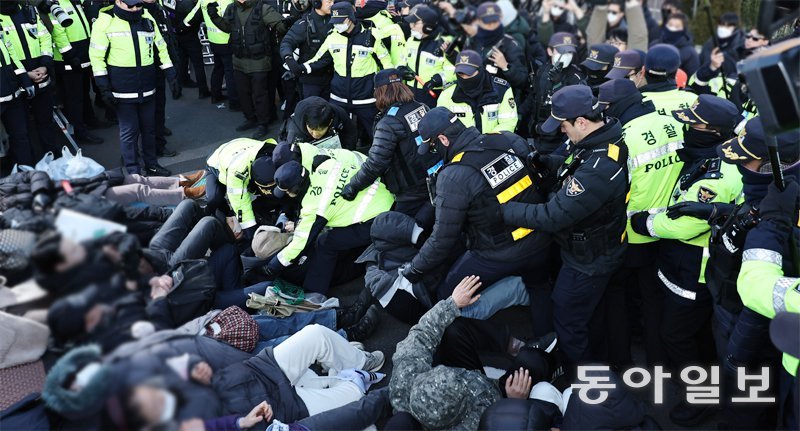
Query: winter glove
pixel 639 223
pixel 406 73
pixel 411 274
pixel 296 68
pixel 213 9
pixel 554 74
pixel 781 206
pixel 434 83
pixel 349 192
pixel 108 97
pixel 698 210
pixel 274 268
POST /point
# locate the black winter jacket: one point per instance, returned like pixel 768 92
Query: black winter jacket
pixel 18 190
pixel 342 125
pixel 517 73
pixel 307 35
pixel 731 47
pixel 514 414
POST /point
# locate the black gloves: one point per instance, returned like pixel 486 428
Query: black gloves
pixel 296 68
pixel 434 83
pixel 698 210
pixel 639 223
pixel 406 73
pixel 274 268
pixel 213 9
pixel 554 74
pixel 781 206
pixel 411 274
pixel 108 97
pixel 349 192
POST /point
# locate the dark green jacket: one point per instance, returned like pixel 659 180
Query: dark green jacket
pixel 252 46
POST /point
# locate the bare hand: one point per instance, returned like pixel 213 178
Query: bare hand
pixel 94 316
pixel 632 3
pixel 463 293
pixel 447 8
pixel 261 412
pixel 519 384
pixel 499 59
pixel 717 58
pixel 192 425
pixel 160 286
pixel 202 372
pixel 288 226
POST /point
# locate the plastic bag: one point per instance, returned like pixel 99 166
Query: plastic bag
pixel 82 167
pixel 55 168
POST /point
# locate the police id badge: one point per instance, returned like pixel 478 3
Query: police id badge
pixel 413 118
pixel 501 169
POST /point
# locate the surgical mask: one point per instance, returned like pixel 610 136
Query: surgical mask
pixel 612 17
pixel 416 34
pixel 724 32
pixel 556 11
pixel 341 28
pixel 673 29
pixel 170 405
pixel 563 59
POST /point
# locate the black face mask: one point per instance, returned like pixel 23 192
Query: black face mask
pixel 699 138
pixel 672 37
pixel 472 87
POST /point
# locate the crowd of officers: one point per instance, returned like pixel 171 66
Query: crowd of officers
pixel 623 212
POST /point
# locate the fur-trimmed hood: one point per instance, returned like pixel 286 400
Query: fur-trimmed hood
pixel 89 400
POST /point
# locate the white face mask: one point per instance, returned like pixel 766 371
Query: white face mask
pixel 563 59
pixel 556 11
pixel 612 17
pixel 341 28
pixel 724 32
pixel 673 29
pixel 170 404
pixel 416 34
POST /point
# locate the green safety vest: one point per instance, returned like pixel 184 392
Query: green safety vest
pixel 323 199
pixel 426 64
pixel 721 183
pixel 233 160
pixel 309 151
pixel 672 100
pixel 10 69
pixel 495 118
pixel 385 27
pixel 64 37
pixel 214 34
pixel 653 165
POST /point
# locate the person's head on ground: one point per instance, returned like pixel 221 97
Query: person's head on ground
pixel 318 117
pixel 55 254
pixel 390 89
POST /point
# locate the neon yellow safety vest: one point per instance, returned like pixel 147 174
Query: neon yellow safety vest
pixel 309 151
pixel 653 165
pixel 425 63
pixel 323 199
pixel 65 37
pixel 214 34
pixel 10 68
pixel 37 42
pixel 671 100
pixel 495 117
pixel 385 27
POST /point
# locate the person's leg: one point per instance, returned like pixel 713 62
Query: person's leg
pixel 316 343
pixel 403 421
pixel 272 327
pixel 575 299
pixel 128 115
pixel 162 183
pixel 366 118
pixel 652 296
pixel 616 320
pixel 217 73
pixel 215 192
pixel 314 90
pixel 208 233
pixel 263 105
pixel 244 85
pixel 226 265
pixel 357 415
pixel 471 264
pixel 147 122
pixel 404 307
pixel 177 226
pixel 72 98
pixel 682 321
pixel 42 108
pixel 328 247
pixel 330 393
pixel 130 193
pixel 505 293
pixel 230 81
pixel 86 83
pixel 465 338
pixel 160 110
pixel 15 119
pixel 195 54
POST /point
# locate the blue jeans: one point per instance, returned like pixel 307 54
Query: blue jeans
pixel 508 292
pixel 274 330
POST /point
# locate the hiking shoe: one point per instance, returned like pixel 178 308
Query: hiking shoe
pixel 374 361
pixel 349 316
pixel 365 327
pixel 246 125
pixel 157 171
pixel 194 192
pixel 189 180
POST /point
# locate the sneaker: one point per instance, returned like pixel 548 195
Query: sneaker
pixel 374 361
pixel 157 171
pixel 189 180
pixel 366 326
pixel 280 426
pixel 349 316
pixel 547 342
pixel 246 125
pixel 87 138
pixel 165 152
pixel 262 133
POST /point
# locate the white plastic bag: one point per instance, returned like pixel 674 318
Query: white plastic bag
pixel 44 164
pixel 82 167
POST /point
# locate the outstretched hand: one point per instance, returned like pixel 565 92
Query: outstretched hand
pixel 464 293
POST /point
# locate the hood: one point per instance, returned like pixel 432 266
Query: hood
pixel 89 400
pixel 468 138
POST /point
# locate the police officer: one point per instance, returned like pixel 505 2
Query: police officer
pixel 238 171
pixel 190 49
pixel 551 77
pixel 683 248
pixel 315 119
pixel 333 225
pixel 162 18
pixel 475 169
pixel 628 64
pixel 423 66
pixel 660 66
pixel 597 64
pixel 586 214
pixel 71 55
pixel 478 98
pixel 357 55
pixel 125 72
pixel 500 54
pixel 223 53
pixel 393 155
pixel 26 35
pixel 304 39
pixel 17 85
pixel 373 14
pixel 311 156
pixel 653 165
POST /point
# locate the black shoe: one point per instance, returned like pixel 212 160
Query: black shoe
pixel 87 138
pixel 261 133
pixel 547 342
pixel 246 125
pixel 348 316
pixel 167 131
pixel 365 327
pixel 421 293
pixel 157 171
pixel 97 123
pixel 166 152
pixel 203 94
pixel 189 84
pixel 688 415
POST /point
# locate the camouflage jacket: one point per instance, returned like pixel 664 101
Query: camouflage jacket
pixel 414 356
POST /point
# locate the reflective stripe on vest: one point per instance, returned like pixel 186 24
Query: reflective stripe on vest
pixel 371 192
pixel 683 293
pixel 133 95
pixel 653 154
pixel 330 187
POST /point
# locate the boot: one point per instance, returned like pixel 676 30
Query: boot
pixel 194 192
pixel 365 327
pixel 349 316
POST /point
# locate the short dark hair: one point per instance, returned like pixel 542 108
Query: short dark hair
pixel 47 253
pixel 388 95
pixel 619 34
pixel 595 116
pixel 620 3
pixel 681 16
pixel 318 116
pixel 654 78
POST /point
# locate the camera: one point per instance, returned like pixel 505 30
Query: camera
pixel 55 9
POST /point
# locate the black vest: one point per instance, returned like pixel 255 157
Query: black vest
pixel 408 169
pixel 250 39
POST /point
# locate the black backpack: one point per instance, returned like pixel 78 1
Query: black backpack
pixel 193 290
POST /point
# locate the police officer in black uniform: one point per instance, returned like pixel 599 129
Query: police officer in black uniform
pixel 560 72
pixel 473 169
pixel 393 155
pixel 189 47
pixel 304 39
pixel 597 64
pixel 586 214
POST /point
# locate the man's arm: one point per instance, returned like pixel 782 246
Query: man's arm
pixel 381 153
pixel 272 19
pixel 322 58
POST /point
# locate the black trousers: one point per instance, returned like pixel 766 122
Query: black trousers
pixel 319 90
pixel 685 330
pixel 161 110
pixel 465 338
pixel 190 48
pixel 46 129
pixel 14 115
pixel 223 68
pixel 253 89
pixel 74 89
pixel 137 120
pixel 364 115
pixel 329 246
